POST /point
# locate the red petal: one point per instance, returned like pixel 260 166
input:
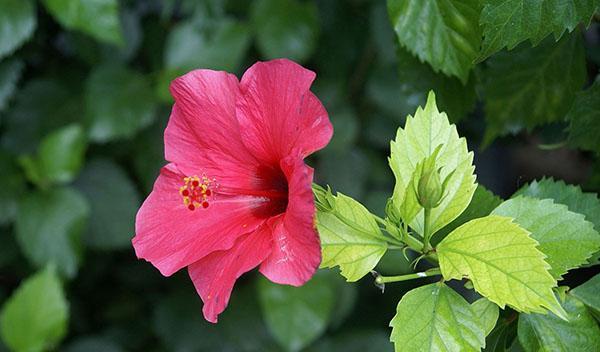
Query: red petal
pixel 171 236
pixel 278 113
pixel 203 134
pixel 215 274
pixel 296 252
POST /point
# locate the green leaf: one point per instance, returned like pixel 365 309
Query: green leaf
pixel 584 114
pixel 113 202
pixel 572 196
pixel 436 318
pixel 42 105
pixel 566 238
pixel 443 33
pixel 93 344
pixel 350 237
pixel 119 102
pixel 217 45
pixel 285 28
pixel 49 226
pixel 17 24
pixel 482 204
pixel 13 186
pixel 528 87
pixel 507 23
pixel 422 134
pixel 180 327
pixel 35 317
pixel 10 72
pixel 588 293
pixel 296 316
pixel 59 158
pixel 503 263
pixel 98 18
pixel 487 312
pixel 547 332
pixel 356 340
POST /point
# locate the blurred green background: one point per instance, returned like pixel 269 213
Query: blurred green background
pixel 83 104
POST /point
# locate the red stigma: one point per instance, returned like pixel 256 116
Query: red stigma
pixel 205 205
pixel 191 207
pixel 185 193
pixel 195 183
pixel 207 192
pixel 196 192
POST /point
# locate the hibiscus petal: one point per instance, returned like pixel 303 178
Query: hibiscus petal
pixel 296 252
pixel 278 113
pixel 171 236
pixel 203 134
pixel 215 274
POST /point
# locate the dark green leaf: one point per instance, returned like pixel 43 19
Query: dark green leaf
pixel 179 324
pixel 360 340
pixel 35 317
pixel 59 158
pixel 98 18
pixel 296 316
pixel 443 33
pixel 588 293
pixel 285 28
pixel 17 23
pixel 10 72
pixel 42 105
pixel 193 44
pixel 13 185
pixel 547 332
pixel 113 202
pixel 119 102
pixel 528 87
pixel 584 116
pixel 49 226
pixel 507 23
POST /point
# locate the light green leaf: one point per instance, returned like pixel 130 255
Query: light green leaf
pixel 588 293
pixel 285 28
pixel 481 205
pixel 572 196
pixel 113 202
pixel 17 23
pixel 436 318
pixel 10 72
pixel 119 102
pixel 49 226
pixel 296 316
pixel 584 115
pixel 35 317
pixel 529 87
pixel 566 238
pixel 507 23
pixel 503 263
pixel 98 18
pixel 219 45
pixel 59 158
pixel 350 237
pixel 443 33
pixel 547 332
pixel 422 134
pixel 487 312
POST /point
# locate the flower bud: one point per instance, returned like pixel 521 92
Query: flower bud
pixel 429 187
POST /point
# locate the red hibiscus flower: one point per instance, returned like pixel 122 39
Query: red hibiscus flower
pixel 237 193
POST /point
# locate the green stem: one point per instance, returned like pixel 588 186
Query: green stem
pixel 426 231
pixel 386 279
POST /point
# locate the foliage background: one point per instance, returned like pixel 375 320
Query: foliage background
pixel 83 104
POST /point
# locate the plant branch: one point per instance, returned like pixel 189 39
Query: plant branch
pixel 380 280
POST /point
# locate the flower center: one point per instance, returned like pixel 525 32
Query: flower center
pixel 196 192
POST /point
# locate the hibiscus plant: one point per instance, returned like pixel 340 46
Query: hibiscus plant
pixel 511 253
